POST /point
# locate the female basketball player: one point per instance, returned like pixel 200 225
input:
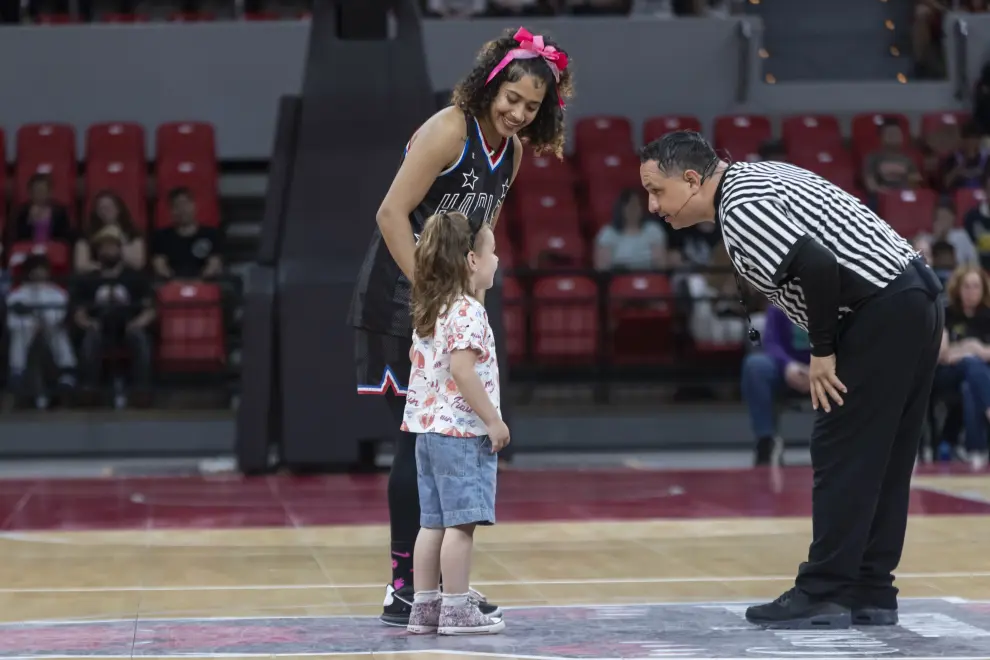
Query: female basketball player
pixel 464 158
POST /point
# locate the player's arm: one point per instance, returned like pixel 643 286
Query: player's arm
pixel 436 145
pixel 517 155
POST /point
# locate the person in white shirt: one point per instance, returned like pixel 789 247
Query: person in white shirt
pixel 452 404
pixel 36 313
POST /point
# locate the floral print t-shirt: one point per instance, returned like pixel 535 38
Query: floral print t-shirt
pixel 433 402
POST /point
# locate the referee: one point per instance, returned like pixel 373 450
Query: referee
pixel 874 316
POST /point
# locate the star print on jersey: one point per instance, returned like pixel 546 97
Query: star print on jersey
pixel 469 179
pixel 505 189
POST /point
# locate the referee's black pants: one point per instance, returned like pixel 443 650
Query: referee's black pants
pixel 863 452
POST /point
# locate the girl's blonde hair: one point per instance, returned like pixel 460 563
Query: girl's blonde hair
pixel 441 267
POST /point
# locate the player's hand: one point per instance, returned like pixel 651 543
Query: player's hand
pixel 498 434
pixel 825 384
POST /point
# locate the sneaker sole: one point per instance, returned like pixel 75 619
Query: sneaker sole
pixel 496 627
pixel 817 622
pixel 421 630
pixel 875 618
pixel 394 621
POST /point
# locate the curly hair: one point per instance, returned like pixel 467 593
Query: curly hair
pixel 441 267
pixel 472 95
pixel 124 220
pixel 954 286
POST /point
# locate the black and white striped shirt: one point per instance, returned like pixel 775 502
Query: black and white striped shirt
pixel 768 210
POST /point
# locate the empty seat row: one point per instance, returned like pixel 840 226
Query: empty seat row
pixel 741 135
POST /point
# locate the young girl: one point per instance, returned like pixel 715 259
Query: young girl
pixel 453 405
pixel 464 158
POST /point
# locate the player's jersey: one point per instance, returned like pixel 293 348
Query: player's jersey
pixel 474 185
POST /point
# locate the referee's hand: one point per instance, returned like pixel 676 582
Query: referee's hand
pixel 825 384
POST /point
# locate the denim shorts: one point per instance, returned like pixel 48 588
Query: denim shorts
pixel 456 478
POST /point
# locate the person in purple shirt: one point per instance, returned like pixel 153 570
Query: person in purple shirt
pixel 784 360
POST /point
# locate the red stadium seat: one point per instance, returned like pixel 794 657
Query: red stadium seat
pixel 549 247
pixel 657 127
pixel 125 18
pixel 565 320
pixel 514 319
pixel 59 257
pixel 615 167
pixel 866 131
pixel 200 179
pixel 192 332
pixel 811 131
pixel 641 319
pixel 602 196
pixel 966 200
pixel 742 135
pixel 125 179
pixel 57 19
pixel 187 141
pixel 119 140
pixel 836 166
pixel 602 133
pixel 46 141
pixel 932 122
pixel 555 209
pixel 909 212
pixel 544 169
pixel 62 173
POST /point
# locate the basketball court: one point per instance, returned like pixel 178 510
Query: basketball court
pixel 619 563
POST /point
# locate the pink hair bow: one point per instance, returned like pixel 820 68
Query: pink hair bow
pixel 531 46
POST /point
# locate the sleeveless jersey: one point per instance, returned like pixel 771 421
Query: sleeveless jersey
pixel 474 185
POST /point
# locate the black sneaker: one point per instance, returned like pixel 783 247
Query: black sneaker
pixel 398 606
pixel 794 610
pixel 488 609
pixel 867 615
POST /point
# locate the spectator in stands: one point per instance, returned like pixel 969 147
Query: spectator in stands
pixel 785 360
pixel 944 229
pixel 926 39
pixel 42 220
pixel 890 167
pixel 692 246
pixel 717 315
pixel 35 314
pixel 773 150
pixel 456 8
pixel 632 241
pixel 109 210
pixel 967 167
pixel 943 260
pixel 114 309
pixel 981 100
pixel 186 249
pixel 966 352
pixel 976 222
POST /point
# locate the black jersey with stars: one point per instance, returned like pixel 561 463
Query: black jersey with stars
pixel 475 185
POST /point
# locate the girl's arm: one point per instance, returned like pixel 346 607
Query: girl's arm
pixel 470 386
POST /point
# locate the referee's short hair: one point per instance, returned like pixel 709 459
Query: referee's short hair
pixel 679 152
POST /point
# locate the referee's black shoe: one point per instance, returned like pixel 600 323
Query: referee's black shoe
pixel 398 605
pixel 795 610
pixel 867 615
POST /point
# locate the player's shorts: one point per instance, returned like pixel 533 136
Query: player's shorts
pixel 382 363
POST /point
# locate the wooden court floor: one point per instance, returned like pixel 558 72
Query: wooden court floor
pixel 338 570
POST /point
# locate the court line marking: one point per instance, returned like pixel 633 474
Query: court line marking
pixel 428 652
pixel 480 583
pixel 138 618
pixel 959 495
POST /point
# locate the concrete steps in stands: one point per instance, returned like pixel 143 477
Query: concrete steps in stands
pixel 829 41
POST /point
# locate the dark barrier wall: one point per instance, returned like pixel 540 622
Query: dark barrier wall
pixel 352 130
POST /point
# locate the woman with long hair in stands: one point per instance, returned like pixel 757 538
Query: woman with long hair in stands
pixel 965 353
pixel 464 158
pixel 108 209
